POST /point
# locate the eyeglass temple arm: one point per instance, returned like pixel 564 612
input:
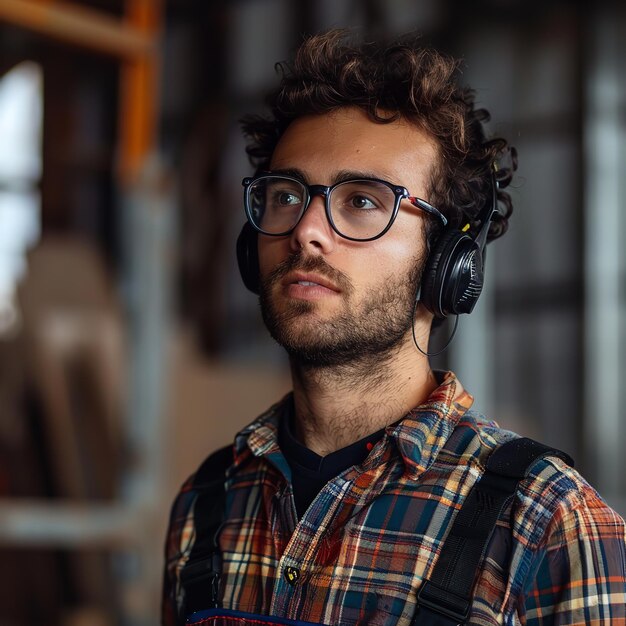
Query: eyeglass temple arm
pixel 429 208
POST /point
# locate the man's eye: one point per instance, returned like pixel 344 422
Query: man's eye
pixel 362 202
pixel 286 198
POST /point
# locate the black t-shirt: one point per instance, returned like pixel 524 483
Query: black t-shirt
pixel 310 471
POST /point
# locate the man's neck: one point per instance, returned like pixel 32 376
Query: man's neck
pixel 336 406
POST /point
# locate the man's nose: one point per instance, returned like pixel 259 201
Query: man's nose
pixel 313 229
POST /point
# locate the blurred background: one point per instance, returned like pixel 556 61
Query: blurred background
pixel 129 349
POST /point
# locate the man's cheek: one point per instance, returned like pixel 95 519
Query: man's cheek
pixel 269 257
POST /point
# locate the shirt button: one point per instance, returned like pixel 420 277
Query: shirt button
pixel 292 574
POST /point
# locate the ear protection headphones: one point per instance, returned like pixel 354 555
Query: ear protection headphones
pixel 453 277
pixel 248 258
pixel 455 270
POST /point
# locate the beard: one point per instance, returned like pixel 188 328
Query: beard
pixel 364 333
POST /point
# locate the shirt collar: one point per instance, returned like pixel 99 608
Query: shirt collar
pixel 424 431
pixel 262 435
pixel 419 436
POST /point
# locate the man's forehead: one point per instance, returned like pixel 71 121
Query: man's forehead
pixel 339 144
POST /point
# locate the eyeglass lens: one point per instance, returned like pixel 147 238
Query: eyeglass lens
pixel 359 209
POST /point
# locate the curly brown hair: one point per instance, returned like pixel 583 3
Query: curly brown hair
pixel 390 81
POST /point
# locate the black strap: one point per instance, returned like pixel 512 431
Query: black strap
pixel 445 598
pixel 200 575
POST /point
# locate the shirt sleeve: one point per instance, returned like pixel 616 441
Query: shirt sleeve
pixel 178 543
pixel 581 579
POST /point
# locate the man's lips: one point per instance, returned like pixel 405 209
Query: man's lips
pixel 308 279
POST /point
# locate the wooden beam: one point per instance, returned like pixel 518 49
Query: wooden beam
pixel 139 92
pixel 80 26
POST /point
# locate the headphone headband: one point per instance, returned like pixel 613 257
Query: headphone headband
pixel 487 213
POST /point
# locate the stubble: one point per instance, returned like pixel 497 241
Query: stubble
pixel 362 335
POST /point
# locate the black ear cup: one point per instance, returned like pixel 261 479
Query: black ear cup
pixel 455 270
pixel 454 275
pixel 248 258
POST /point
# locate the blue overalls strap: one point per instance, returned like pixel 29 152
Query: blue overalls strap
pixel 201 574
pixel 445 599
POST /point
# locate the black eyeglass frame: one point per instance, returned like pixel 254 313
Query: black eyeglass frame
pixel 400 193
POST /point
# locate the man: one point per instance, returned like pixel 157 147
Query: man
pixel 375 191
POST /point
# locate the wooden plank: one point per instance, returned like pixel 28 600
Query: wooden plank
pixel 81 26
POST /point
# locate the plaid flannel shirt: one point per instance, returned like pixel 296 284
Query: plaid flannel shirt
pixel 373 534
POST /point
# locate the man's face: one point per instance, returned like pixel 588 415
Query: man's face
pixel 327 300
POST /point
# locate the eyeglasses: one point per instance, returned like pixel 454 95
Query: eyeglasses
pixel 359 210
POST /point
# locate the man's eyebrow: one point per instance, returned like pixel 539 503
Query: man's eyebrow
pixel 344 175
pixel 294 172
pixel 339 177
